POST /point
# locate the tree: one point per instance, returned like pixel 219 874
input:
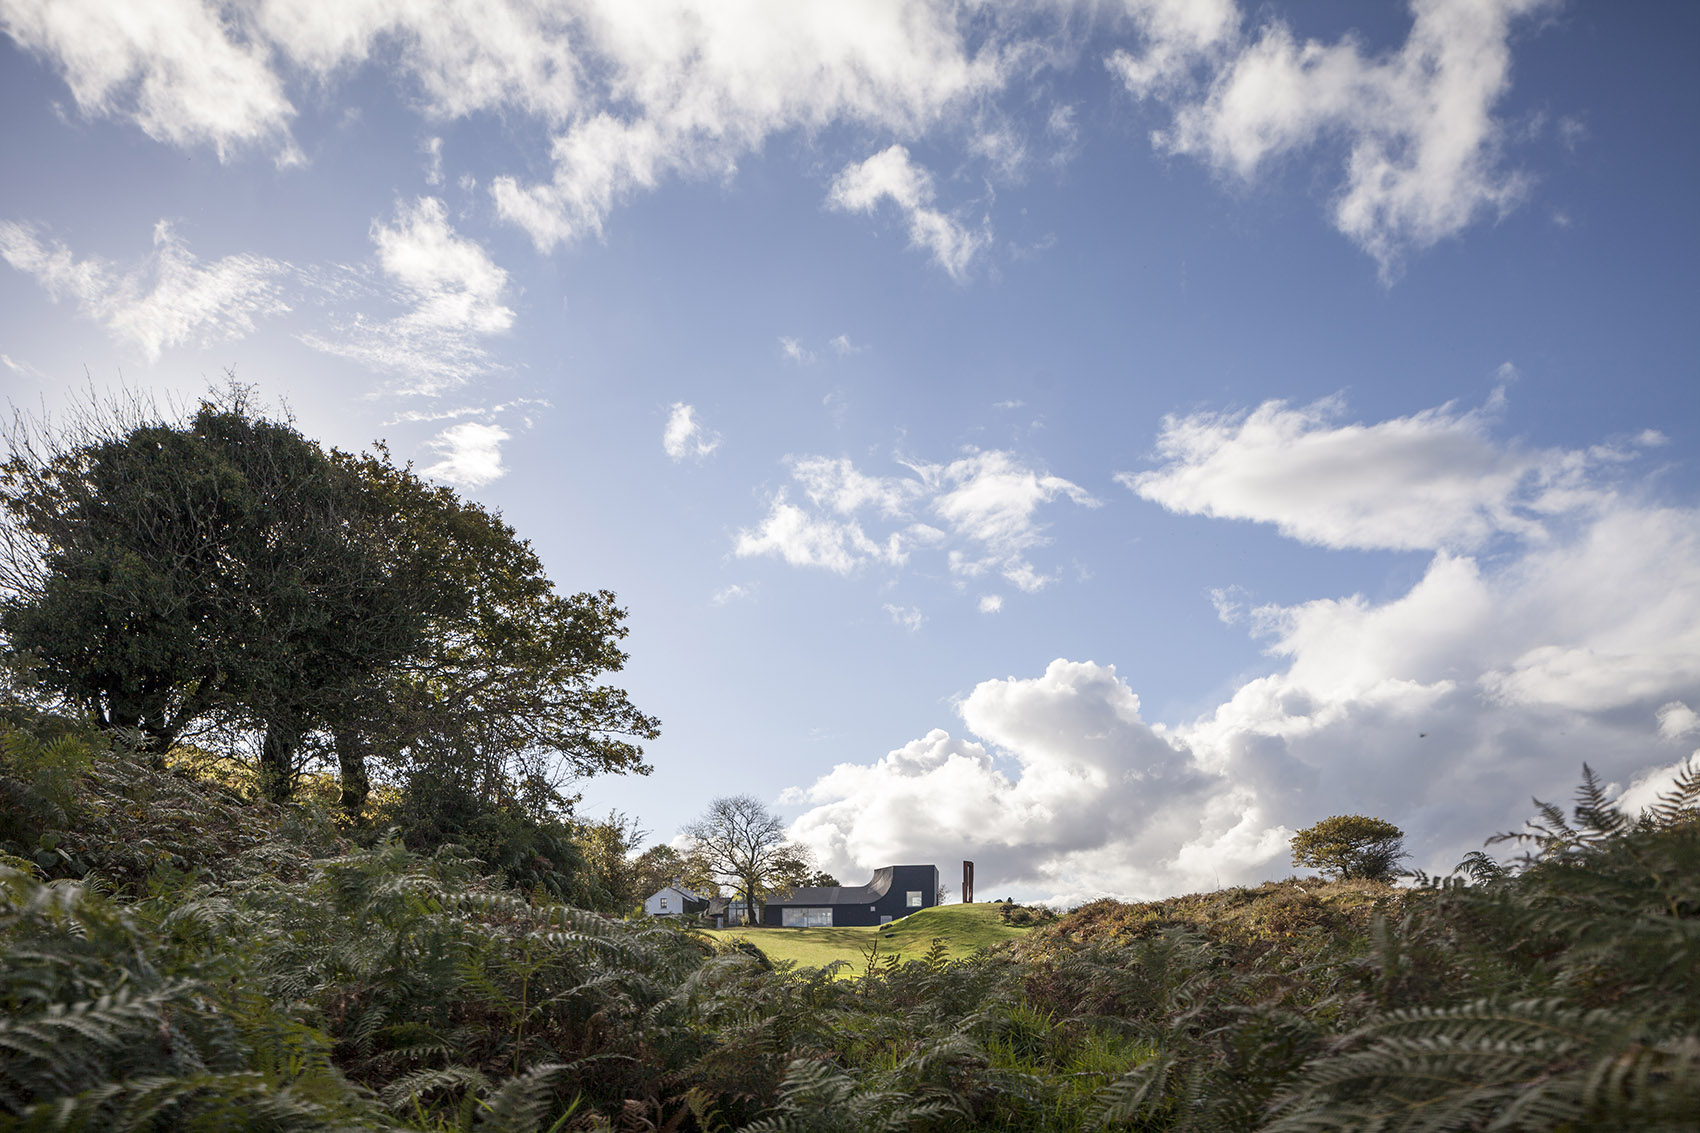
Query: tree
pixel 1351 846
pixel 743 844
pixel 226 569
pixel 662 865
pixel 505 685
pixel 229 571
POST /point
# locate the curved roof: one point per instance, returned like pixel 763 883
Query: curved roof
pixel 867 894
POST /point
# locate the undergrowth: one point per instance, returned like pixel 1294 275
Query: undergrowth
pixel 174 955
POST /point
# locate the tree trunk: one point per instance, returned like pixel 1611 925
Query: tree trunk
pixel 277 761
pixel 351 759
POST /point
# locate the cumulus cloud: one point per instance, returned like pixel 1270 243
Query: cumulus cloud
pixel 456 298
pixel 1423 146
pixel 1443 708
pixel 991 603
pixel 1431 480
pixel 684 435
pixel 172 298
pixel 980 511
pixel 472 454
pixel 890 175
pixel 1063 769
pixel 1676 720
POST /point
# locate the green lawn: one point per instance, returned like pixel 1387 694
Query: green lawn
pixel 963 928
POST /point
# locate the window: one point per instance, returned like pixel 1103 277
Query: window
pixel 914 898
pixel 805 918
pixel 663 902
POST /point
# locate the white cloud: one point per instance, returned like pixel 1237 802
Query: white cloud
pixel 843 347
pixel 1644 792
pixel 991 603
pixel 990 498
pixel 987 503
pixel 1437 710
pixel 22 369
pixel 1176 36
pixel 1423 146
pixel 1442 709
pixel 1431 480
pixel 456 294
pixel 908 617
pixel 1676 720
pixel 472 454
pixel 890 175
pixel 1063 771
pixel 434 168
pixel 174 67
pixel 794 351
pixel 732 593
pixel 1229 603
pixel 684 435
pixel 632 94
pixel 692 88
pixel 804 539
pixel 171 299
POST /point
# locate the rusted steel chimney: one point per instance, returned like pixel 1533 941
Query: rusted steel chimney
pixel 967 883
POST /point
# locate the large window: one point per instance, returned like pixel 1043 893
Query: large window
pixel 805 918
pixel 914 898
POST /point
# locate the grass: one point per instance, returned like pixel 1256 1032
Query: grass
pixel 964 929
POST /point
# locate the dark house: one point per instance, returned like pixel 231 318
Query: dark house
pixel 896 891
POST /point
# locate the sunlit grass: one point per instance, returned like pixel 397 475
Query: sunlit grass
pixel 964 929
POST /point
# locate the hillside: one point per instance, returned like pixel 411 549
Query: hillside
pixel 178 955
pixel 961 929
pixel 1253 919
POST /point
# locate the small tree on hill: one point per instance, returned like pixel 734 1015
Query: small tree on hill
pixel 1351 846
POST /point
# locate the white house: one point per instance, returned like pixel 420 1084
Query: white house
pixel 673 901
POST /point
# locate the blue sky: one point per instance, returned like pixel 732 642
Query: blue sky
pixel 1095 439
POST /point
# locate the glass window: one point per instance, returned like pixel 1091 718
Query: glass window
pixel 663 902
pixel 805 918
pixel 914 898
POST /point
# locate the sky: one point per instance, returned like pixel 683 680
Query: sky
pixel 1095 439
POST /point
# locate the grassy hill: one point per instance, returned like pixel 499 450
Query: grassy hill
pixel 964 929
pixel 1241 919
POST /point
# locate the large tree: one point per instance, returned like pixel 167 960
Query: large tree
pixel 227 570
pixel 743 844
pixel 504 691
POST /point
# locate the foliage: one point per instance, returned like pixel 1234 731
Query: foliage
pixel 162 575
pixel 504 686
pixel 175 955
pixel 1025 916
pixel 742 843
pixel 226 570
pixel 1351 846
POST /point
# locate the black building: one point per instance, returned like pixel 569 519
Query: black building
pixel 895 891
